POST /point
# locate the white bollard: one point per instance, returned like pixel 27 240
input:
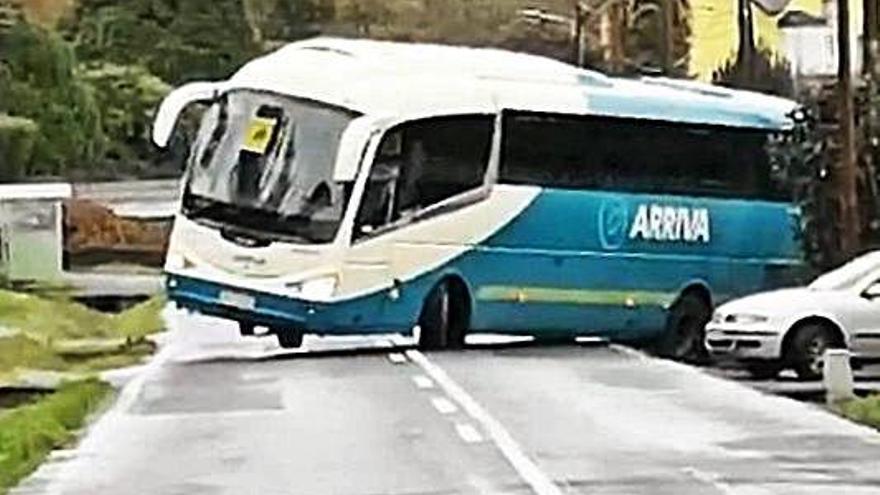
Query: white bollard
pixel 837 376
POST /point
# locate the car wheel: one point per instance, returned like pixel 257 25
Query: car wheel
pixel 806 350
pixel 685 332
pixel 764 370
pixel 439 326
pixel 288 338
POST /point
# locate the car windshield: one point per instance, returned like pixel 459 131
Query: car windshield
pixel 849 274
pixel 265 162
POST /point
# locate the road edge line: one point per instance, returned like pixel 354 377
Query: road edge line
pixel 527 469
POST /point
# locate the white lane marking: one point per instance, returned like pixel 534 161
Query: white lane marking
pixel 468 433
pixel 444 405
pixel 397 358
pixel 423 381
pixel 525 467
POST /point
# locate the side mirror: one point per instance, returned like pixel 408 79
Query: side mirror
pixel 872 292
pixel 175 103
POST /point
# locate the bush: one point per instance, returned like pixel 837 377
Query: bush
pixel 38 82
pixel 17 138
pixel 128 97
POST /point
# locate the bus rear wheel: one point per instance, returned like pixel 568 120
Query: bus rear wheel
pixel 685 332
pixel 288 338
pixel 443 321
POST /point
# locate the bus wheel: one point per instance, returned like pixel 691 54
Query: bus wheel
pixel 685 332
pixel 441 322
pixel 288 338
pixel 246 329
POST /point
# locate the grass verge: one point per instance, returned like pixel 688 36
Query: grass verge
pixel 865 411
pixel 51 318
pixel 29 433
pixel 56 334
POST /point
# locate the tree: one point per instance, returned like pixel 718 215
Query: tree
pixel 38 81
pixel 128 97
pixel 761 71
pixel 177 41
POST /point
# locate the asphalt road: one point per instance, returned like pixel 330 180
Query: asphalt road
pixel 214 414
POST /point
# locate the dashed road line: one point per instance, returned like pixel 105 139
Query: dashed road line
pixel 468 433
pixel 444 405
pixel 423 382
pixel 539 482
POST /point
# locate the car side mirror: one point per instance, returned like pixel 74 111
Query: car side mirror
pixel 872 292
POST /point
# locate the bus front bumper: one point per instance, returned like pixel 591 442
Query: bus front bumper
pixel 243 305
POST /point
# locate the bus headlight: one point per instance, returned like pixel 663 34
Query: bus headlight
pixel 315 288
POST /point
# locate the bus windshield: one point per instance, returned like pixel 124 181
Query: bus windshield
pixel 263 164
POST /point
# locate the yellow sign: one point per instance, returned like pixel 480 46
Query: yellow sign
pixel 258 135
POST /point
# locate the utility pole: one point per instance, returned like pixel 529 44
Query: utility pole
pixel 869 37
pixel 745 55
pixel 845 176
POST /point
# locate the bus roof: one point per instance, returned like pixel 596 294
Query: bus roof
pixel 409 80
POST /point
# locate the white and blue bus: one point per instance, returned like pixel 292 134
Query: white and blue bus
pixel 357 187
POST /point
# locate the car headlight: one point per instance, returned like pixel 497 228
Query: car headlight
pixel 315 288
pixel 746 318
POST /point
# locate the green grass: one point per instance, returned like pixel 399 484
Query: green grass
pixel 865 411
pixel 28 433
pixel 49 325
pixel 49 318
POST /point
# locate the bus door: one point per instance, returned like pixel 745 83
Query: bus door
pixel 413 213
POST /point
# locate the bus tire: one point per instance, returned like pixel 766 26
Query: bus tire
pixel 441 327
pixel 683 339
pixel 805 351
pixel 246 329
pixel 288 338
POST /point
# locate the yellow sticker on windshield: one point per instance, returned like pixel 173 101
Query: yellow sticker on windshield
pixel 258 135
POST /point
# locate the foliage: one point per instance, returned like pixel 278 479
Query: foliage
pixel 286 20
pixel 17 138
pixel 766 73
pixel 645 43
pixel 49 319
pixel 799 163
pixel 38 81
pixel 128 97
pixel 176 41
pixel 29 433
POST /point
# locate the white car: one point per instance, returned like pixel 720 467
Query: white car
pixel 792 328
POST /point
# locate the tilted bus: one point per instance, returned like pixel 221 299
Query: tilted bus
pixel 357 187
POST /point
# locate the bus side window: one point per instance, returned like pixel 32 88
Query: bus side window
pixel 422 163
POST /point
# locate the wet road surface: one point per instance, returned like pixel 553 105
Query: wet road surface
pixel 216 414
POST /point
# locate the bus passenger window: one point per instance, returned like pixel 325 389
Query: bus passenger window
pixel 635 155
pixel 423 163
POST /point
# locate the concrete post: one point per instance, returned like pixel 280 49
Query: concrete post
pixel 837 376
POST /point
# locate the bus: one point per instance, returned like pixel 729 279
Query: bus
pixel 360 187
